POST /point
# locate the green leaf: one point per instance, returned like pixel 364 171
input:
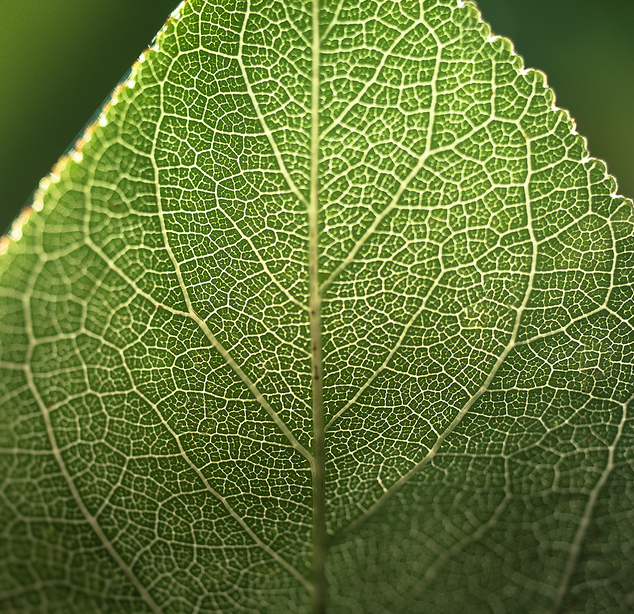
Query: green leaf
pixel 330 308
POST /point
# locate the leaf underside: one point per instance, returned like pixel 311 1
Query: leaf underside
pixel 472 294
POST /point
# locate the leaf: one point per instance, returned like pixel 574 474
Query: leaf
pixel 325 287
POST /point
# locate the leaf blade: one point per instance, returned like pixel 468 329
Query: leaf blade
pixel 473 288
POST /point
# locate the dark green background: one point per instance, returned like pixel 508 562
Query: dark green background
pixel 59 59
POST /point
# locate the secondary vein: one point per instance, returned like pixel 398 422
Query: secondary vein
pixel 512 342
pixel 90 518
pixel 249 383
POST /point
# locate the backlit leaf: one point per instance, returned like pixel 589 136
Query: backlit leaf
pixel 330 309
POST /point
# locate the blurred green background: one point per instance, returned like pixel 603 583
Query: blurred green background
pixel 59 59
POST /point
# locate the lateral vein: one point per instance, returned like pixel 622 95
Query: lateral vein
pixel 398 484
pixel 267 131
pixel 582 529
pixel 50 432
pixel 201 476
pixel 191 312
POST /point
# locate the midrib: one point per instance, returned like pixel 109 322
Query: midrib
pixel 318 468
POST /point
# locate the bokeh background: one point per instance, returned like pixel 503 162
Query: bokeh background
pixel 59 59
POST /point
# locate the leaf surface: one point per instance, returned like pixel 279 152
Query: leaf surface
pixel 324 284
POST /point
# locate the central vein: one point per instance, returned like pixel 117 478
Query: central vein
pixel 319 451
